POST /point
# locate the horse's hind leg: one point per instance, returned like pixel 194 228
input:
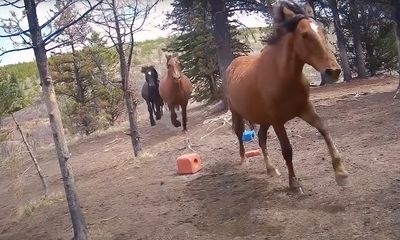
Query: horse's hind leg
pixel 184 115
pixel 311 117
pixel 287 153
pixel 262 141
pixel 238 127
pixel 150 109
pixel 174 117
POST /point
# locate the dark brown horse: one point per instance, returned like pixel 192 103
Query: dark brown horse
pixel 175 89
pixel 151 94
pixel 270 89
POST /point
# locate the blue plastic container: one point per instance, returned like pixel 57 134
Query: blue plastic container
pixel 248 135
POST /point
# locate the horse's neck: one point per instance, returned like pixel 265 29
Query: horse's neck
pixel 286 60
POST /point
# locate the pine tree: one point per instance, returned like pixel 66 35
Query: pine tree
pixel 197 46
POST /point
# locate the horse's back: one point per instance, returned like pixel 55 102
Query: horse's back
pixel 241 79
pixel 256 91
pixel 240 67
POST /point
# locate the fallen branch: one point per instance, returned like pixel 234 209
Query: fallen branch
pixel 188 144
pixel 215 129
pixel 107 219
pixel 33 158
pixel 226 117
pixel 23 173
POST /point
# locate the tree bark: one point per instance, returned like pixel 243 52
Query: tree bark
pixel 355 28
pixel 78 80
pixel 78 220
pixel 212 86
pixel 341 41
pixel 223 40
pixel 33 158
pixel 129 96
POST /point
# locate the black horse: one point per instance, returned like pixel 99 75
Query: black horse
pixel 151 95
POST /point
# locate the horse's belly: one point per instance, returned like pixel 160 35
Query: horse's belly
pixel 260 109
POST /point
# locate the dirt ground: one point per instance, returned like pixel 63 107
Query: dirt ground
pixel 126 198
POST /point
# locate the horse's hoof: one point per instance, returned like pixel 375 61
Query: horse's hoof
pixel 342 179
pixel 296 186
pixel 152 124
pixel 244 162
pixel 177 124
pixel 273 172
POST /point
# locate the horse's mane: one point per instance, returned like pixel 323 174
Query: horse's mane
pixel 281 25
pixel 152 69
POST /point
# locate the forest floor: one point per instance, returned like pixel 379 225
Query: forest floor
pixel 144 198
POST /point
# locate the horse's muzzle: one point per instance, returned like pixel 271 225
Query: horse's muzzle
pixel 332 75
pixel 177 78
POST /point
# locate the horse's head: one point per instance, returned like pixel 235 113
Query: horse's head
pixel 174 67
pixel 151 75
pixel 309 39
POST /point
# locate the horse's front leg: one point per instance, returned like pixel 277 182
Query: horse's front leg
pixel 262 141
pixel 312 118
pixel 174 117
pixel 184 115
pixel 150 109
pixel 287 153
pixel 158 111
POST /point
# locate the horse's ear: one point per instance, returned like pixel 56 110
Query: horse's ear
pixel 309 10
pixel 288 13
pixel 143 69
pixel 168 56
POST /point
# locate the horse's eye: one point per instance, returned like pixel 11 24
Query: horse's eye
pixel 304 35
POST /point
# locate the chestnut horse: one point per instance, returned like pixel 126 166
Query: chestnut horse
pixel 270 89
pixel 175 89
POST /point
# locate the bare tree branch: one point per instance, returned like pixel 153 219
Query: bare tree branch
pixel 56 14
pixel 57 46
pixel 51 36
pixel 15 50
pixel 11 3
pixel 25 32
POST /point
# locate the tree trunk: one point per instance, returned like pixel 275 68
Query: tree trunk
pixel 78 80
pixel 223 40
pixel 341 41
pixel 396 16
pixel 355 28
pixel 35 162
pixel 129 96
pixel 78 220
pixel 212 86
